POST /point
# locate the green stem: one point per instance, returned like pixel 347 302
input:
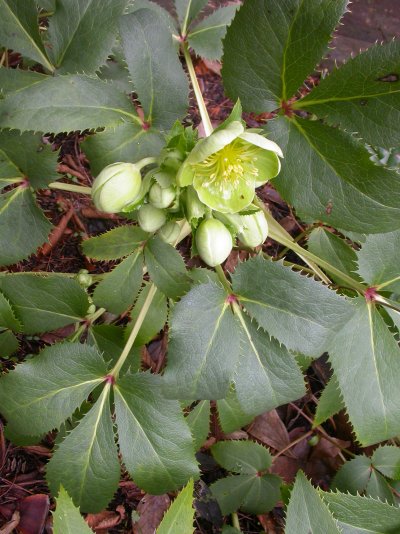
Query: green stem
pixel 277 233
pixel 223 279
pixel 94 316
pixel 235 521
pixel 208 128
pixel 70 187
pixel 145 161
pixel 139 321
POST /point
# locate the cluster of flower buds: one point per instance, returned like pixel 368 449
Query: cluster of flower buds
pixel 211 183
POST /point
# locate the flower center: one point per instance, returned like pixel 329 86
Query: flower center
pixel 233 163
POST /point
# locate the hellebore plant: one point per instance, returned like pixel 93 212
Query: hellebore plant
pixel 235 339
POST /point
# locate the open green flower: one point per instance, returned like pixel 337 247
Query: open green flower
pixel 226 167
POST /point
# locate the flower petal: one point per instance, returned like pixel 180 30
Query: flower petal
pixel 226 197
pixel 262 142
pixel 268 165
pixel 215 142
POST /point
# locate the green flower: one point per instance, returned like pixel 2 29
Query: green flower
pixel 226 167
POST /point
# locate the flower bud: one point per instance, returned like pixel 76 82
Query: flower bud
pixel 91 309
pixel 254 230
pixel 194 209
pixel 150 218
pixel 84 278
pixel 169 232
pixel 161 197
pixel 117 186
pixel 213 242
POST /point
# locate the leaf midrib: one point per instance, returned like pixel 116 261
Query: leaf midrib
pixel 304 103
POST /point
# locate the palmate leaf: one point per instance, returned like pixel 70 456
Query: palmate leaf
pixel 115 244
pixel 44 303
pixel 89 25
pixel 206 36
pixel 166 268
pixel 119 288
pixel 154 66
pixel 379 261
pixel 110 341
pixel 230 414
pixel 188 10
pixel 298 311
pixel 66 103
pixel 14 79
pixel 67 518
pixel 363 95
pixel 30 228
pixel 201 360
pixel 19 30
pixel 86 462
pixel 328 175
pixel 249 490
pixel 36 161
pixel 199 423
pixel 155 441
pixel 359 515
pixel 50 387
pixel 127 142
pixel 284 54
pixel 307 513
pixel 180 515
pixel 155 319
pixel 330 402
pixel 365 355
pixel 334 250
pixel 8 343
pixel 271 370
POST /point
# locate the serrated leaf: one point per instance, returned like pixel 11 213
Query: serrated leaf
pixel 306 512
pixel 199 423
pixel 188 10
pixel 298 311
pixel 335 251
pixel 7 316
pixel 86 462
pixel 36 160
pixel 271 370
pixel 135 5
pixel 14 79
pixel 330 402
pixel 230 413
pixel 362 96
pixel 50 387
pixel 242 457
pixel 358 515
pixel 66 103
pixel 353 476
pixel 44 303
pixel 364 353
pixel 180 515
pixel 387 460
pixel 155 442
pixel 127 142
pixel 378 488
pixel 8 344
pixel 154 66
pixel 30 228
pixel 67 518
pixel 250 493
pixel 118 290
pixel 206 36
pixel 115 244
pixel 89 25
pixel 110 341
pixel 203 346
pixel 379 261
pixel 19 30
pixel 348 190
pixel 268 48
pixel 166 268
pixel 155 319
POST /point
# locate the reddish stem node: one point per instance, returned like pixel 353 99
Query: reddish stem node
pixel 109 379
pixel 287 108
pixel 231 299
pixel 371 294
